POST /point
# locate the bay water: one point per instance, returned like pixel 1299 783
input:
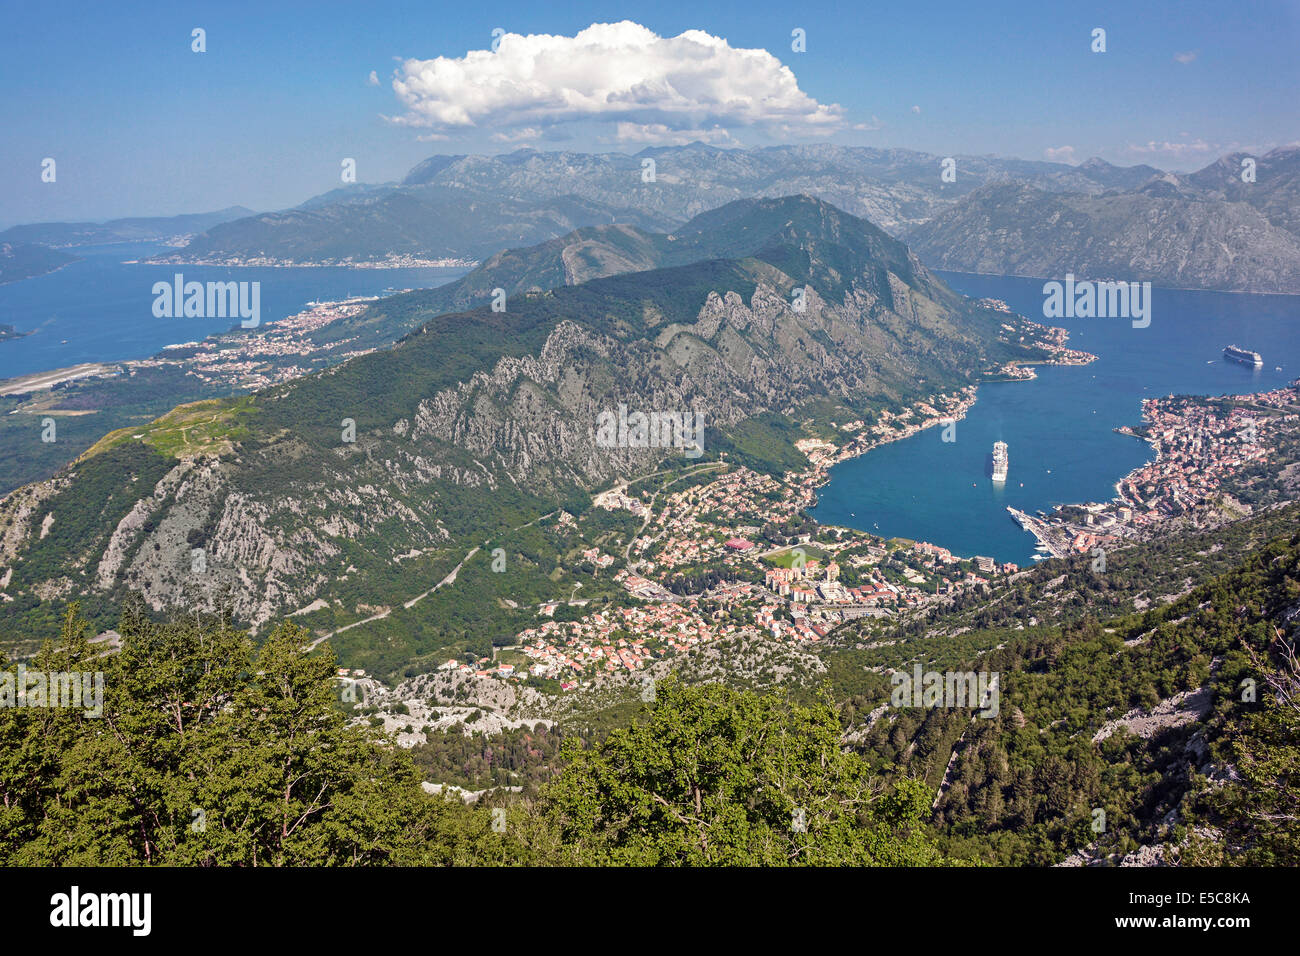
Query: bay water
pixel 101 308
pixel 1059 428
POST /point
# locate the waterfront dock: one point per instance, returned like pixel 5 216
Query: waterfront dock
pixel 1046 535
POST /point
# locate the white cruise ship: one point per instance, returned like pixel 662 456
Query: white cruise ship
pixel 999 461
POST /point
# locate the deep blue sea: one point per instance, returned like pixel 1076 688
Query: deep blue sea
pixel 1059 427
pixel 101 309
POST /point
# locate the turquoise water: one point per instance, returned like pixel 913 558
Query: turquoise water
pixel 101 309
pixel 1059 427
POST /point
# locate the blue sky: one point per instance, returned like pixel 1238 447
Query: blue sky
pixel 140 125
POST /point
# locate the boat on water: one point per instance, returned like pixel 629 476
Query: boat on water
pixel 1244 356
pixel 1020 518
pixel 999 461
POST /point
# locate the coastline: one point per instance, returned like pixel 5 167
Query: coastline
pixel 37 275
pixel 953 412
pixel 36 381
pixel 1170 427
pixel 278 338
pixel 270 262
pixel 1154 284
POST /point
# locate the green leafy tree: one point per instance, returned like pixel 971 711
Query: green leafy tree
pixel 211 752
pixel 715 776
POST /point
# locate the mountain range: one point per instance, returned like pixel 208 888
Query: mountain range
pixel 425 222
pixel 1167 239
pixel 733 231
pixel 1208 229
pixel 137 229
pixel 480 420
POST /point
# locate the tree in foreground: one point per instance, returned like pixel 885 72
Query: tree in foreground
pixel 714 776
pixel 212 752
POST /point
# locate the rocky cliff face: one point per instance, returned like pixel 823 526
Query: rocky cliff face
pixel 1272 186
pixel 539 414
pixel 1156 235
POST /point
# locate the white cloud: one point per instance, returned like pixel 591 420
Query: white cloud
pixel 518 135
pixel 916 110
pixel 662 135
pixel 612 72
pixel 373 80
pixel 1060 154
pixel 875 124
pixel 1187 57
pixel 1176 150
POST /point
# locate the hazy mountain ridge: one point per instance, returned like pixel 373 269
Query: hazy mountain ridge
pixel 893 188
pixel 888 186
pixel 423 222
pixel 1015 229
pixel 471 206
pixel 136 229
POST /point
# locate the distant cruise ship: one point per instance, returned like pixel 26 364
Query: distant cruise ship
pixel 1244 356
pixel 999 461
